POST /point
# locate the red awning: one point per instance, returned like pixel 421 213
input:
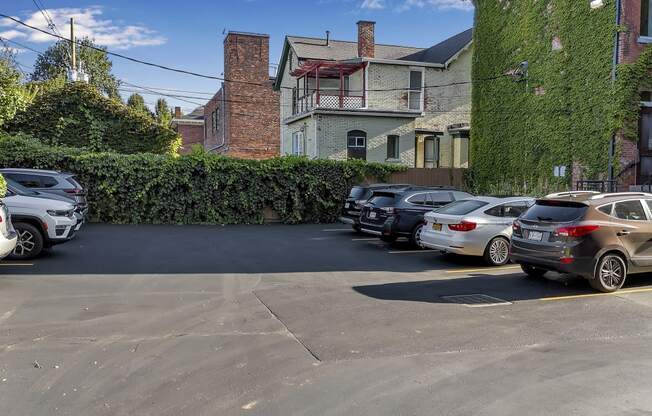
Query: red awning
pixel 327 69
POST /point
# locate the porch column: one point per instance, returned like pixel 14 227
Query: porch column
pixel 317 84
pixel 364 84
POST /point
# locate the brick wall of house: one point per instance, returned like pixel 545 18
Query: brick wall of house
pixel 252 120
pixel 366 39
pixel 192 134
pixel 214 122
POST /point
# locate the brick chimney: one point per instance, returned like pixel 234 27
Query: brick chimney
pixel 366 43
pixel 177 112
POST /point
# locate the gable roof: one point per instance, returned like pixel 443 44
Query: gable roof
pixel 340 50
pixel 443 51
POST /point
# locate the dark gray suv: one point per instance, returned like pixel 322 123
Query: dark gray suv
pixel 52 182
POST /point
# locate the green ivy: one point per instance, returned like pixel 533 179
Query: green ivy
pixel 632 79
pixel 562 113
pixel 78 115
pixel 3 186
pixel 200 187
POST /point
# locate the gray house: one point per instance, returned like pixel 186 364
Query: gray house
pixel 381 103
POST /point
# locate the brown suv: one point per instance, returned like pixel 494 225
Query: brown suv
pixel 601 237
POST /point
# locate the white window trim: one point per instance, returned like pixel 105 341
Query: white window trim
pixel 397 158
pixel 356 142
pixel 423 81
pixel 645 39
pixel 298 143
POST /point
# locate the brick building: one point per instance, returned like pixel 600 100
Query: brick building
pixel 242 119
pixel 190 127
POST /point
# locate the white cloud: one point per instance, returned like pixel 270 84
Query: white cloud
pixel 12 34
pixel 373 4
pixel 88 22
pixel 437 4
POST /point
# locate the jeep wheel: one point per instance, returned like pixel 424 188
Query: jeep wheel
pixel 30 242
pixel 609 274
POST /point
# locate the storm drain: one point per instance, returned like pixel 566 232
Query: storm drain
pixel 476 300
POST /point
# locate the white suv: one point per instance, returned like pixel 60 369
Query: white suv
pixel 8 236
pixel 40 223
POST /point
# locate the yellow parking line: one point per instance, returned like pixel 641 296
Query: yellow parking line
pixel 485 269
pixel 16 264
pixel 593 295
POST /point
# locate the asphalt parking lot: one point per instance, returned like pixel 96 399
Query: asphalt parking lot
pixel 308 320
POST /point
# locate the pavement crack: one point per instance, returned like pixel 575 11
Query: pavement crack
pixel 292 335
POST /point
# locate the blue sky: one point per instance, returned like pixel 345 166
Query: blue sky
pixel 189 35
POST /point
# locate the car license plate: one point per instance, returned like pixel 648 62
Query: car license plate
pixel 535 235
pixel 436 227
pixel 372 214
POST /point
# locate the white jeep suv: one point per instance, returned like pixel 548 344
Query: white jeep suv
pixel 40 223
pixel 8 236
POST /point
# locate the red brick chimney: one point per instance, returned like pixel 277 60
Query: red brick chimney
pixel 177 112
pixel 366 43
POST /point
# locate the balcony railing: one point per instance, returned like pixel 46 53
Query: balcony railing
pixel 348 100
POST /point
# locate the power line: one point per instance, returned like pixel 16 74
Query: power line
pixel 46 16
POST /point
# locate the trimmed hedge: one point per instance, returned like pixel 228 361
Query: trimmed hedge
pixel 3 186
pixel 78 115
pixel 198 188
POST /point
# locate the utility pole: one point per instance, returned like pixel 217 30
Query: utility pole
pixel 72 44
pixel 614 76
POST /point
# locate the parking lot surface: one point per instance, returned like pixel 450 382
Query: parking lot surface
pixel 308 320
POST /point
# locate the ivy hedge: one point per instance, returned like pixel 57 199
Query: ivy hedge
pixel 200 187
pixel 78 115
pixel 3 186
pixel 563 113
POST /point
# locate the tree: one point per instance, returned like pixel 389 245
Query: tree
pixel 56 61
pixel 13 97
pixel 137 102
pixel 162 111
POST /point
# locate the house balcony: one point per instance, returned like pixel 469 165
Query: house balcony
pixel 328 85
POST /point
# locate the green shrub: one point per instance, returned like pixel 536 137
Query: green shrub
pixel 198 188
pixel 77 115
pixel 3 187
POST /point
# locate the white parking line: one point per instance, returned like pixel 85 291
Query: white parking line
pixel 365 239
pixel 414 252
pixel 484 269
pixel 332 230
pixel 16 264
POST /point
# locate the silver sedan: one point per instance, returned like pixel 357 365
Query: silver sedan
pixel 480 226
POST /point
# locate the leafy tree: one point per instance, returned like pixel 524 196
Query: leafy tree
pixel 162 111
pixel 137 102
pixel 78 115
pixel 13 96
pixel 55 62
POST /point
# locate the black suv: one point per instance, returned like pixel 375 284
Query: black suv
pixel 358 196
pixel 391 214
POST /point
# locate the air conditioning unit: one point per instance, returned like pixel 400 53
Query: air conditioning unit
pixel 596 4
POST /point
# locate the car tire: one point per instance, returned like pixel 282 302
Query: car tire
pixel 497 252
pixel 609 274
pixel 532 271
pixel 415 237
pixel 30 242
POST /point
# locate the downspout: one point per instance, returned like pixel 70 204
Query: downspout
pixel 614 65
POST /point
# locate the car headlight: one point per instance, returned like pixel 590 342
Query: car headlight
pixel 60 213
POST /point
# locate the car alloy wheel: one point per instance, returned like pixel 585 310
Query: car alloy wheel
pixel 416 236
pixel 25 244
pixel 610 274
pixel 497 252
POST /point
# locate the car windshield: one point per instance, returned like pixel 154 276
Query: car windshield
pixel 382 200
pixel 357 192
pixel 461 207
pixel 555 211
pixel 18 188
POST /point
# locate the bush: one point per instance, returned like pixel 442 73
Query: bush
pixel 3 187
pixel 77 115
pixel 198 188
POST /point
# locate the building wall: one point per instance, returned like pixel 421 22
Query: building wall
pixel 192 134
pixel 251 106
pixel 214 122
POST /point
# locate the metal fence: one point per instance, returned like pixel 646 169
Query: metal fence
pixel 599 186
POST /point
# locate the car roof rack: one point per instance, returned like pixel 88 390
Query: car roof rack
pixel 35 171
pixel 617 194
pixel 571 193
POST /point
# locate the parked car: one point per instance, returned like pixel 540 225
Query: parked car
pixel 39 222
pixel 480 226
pixel 19 189
pixel 8 236
pixel 358 196
pixel 391 214
pixel 51 181
pixel 602 238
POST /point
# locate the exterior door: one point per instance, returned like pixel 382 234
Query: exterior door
pixel 356 145
pixel 430 152
pixel 645 146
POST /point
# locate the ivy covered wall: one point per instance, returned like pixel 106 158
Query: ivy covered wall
pixel 561 113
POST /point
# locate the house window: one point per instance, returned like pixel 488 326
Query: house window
pixel 415 94
pixel 646 22
pixel 356 143
pixel 431 152
pixel 392 147
pixel 298 145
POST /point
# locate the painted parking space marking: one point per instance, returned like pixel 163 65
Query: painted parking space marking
pixel 332 230
pixel 484 269
pixel 595 295
pixel 365 239
pixel 16 264
pixel 412 252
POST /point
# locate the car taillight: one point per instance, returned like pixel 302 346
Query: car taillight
pixel 576 231
pixel 463 226
pixel 73 191
pixel 516 228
